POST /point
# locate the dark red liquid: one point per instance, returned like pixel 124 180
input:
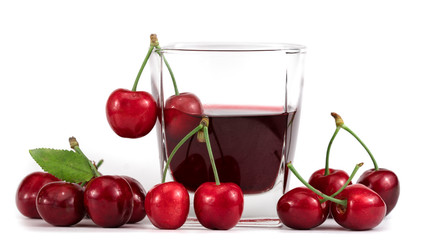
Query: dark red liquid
pixel 248 144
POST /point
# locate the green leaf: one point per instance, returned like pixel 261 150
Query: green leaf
pixel 66 165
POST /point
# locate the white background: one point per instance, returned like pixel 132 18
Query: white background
pixel 59 61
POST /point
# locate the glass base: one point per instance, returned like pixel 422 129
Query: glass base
pixel 193 222
pixel 259 209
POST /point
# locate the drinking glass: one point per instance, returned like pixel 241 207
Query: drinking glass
pixel 251 94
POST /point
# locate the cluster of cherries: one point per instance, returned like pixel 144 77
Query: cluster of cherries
pixel 132 114
pixel 329 192
pixel 108 200
pixel 112 201
pixel 217 205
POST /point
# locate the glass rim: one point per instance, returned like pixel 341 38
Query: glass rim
pixel 233 47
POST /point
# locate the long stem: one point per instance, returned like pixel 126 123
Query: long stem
pixel 175 86
pixel 175 149
pixel 134 87
pixel 328 150
pixel 346 183
pixel 362 144
pixel 294 171
pixel 216 175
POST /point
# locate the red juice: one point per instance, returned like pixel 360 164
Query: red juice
pixel 248 145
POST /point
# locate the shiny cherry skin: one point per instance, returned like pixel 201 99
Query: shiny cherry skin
pixel 365 208
pixel 138 212
pixel 385 183
pixel 330 183
pixel 27 192
pixel 182 113
pixel 300 208
pixel 131 114
pixel 109 201
pixel 167 205
pixel 220 206
pixel 61 203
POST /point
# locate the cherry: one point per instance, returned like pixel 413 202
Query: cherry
pixel 181 114
pixel 131 114
pixel 109 201
pixel 218 206
pixel 328 184
pixel 364 208
pixel 27 192
pixel 167 205
pixel 138 212
pixel 61 203
pixel 300 208
pixel 383 181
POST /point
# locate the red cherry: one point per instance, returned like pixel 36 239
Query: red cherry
pixel 109 201
pixel 365 209
pixel 138 212
pixel 131 114
pixel 218 206
pixel 300 208
pixel 330 183
pixel 61 203
pixel 28 190
pixel 181 114
pixel 385 183
pixel 167 205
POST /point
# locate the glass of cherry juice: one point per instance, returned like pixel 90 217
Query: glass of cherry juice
pixel 251 93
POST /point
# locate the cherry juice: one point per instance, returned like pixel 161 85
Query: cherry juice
pixel 248 144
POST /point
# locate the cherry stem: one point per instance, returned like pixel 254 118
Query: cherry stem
pixel 346 183
pixel 175 149
pixel 155 43
pixel 364 145
pixel 328 150
pixel 75 146
pixel 340 123
pixel 134 87
pixel 99 163
pixel 175 86
pixel 332 199
pixel 206 135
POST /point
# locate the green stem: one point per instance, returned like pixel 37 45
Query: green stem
pixel 328 150
pixel 99 163
pixel 337 201
pixel 134 87
pixel 175 149
pixel 206 135
pixel 362 144
pixel 346 183
pixel 175 86
pixel 75 146
pixel 93 168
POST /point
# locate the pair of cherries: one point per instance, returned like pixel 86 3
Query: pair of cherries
pixel 364 205
pixel 217 205
pixel 133 114
pixel 110 201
